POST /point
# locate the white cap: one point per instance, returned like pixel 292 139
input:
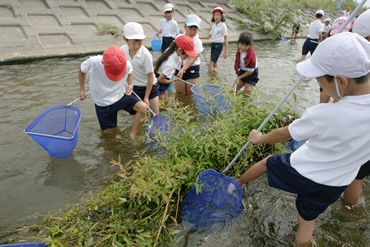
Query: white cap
pixel 328 19
pixel 133 30
pixel 346 54
pixel 299 11
pixel 362 24
pixel 320 11
pixel 168 7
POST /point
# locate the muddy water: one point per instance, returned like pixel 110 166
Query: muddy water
pixel 31 181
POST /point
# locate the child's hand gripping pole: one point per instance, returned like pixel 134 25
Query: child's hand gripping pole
pixel 78 99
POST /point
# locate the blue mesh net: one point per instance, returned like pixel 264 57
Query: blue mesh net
pixel 218 203
pixel 56 130
pixel 294 145
pixel 208 98
pixel 161 128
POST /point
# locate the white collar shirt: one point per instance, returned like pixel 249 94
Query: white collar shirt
pixel 169 28
pixel 218 32
pixel 314 29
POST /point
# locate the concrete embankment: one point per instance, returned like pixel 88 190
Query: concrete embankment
pixel 37 29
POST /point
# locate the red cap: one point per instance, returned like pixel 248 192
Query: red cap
pixel 114 60
pixel 218 9
pixel 349 8
pixel 187 44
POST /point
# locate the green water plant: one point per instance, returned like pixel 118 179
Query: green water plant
pixel 140 206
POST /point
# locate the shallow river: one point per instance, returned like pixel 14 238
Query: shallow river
pixel 31 181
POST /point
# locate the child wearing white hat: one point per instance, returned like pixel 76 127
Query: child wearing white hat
pixel 314 35
pixel 322 168
pixel 327 28
pixel 219 35
pixel 296 24
pixel 169 27
pixel 145 83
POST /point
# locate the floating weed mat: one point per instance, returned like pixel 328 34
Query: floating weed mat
pixel 141 207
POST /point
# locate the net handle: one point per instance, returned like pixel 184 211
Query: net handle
pixel 78 99
pixel 186 82
pixel 141 100
pixel 290 91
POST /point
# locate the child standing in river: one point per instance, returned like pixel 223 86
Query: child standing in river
pixel 219 33
pixel 145 83
pixel 169 27
pixel 322 168
pixel 296 24
pixel 246 66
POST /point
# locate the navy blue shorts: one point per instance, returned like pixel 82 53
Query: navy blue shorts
pixel 140 91
pixel 216 49
pixel 251 79
pixel 190 73
pixel 166 42
pixel 107 115
pixel 162 87
pixel 309 46
pixel 313 198
pixel 295 29
pixel 364 171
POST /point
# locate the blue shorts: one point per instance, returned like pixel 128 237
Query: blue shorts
pixel 162 87
pixel 309 46
pixel 252 79
pixel 190 73
pixel 140 91
pixel 295 29
pixel 364 171
pixel 313 198
pixel 107 115
pixel 166 42
pixel 216 49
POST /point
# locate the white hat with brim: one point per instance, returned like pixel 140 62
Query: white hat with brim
pixel 346 54
pixel 320 11
pixel 168 7
pixel 362 24
pixel 133 30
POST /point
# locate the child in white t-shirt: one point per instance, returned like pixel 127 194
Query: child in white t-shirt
pixel 145 83
pixel 188 69
pixel 169 27
pixel 182 48
pixel 327 28
pixel 322 168
pixel 296 24
pixel 218 34
pixel 108 75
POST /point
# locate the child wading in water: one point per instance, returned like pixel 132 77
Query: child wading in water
pixel 188 69
pixel 108 76
pixel 322 168
pixel 246 66
pixel 145 83
pixel 183 47
pixel 218 34
pixel 296 24
pixel 327 28
pixel 169 27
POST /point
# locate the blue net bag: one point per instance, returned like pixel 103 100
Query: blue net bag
pixel 161 128
pixel 208 98
pixel 218 203
pixel 56 130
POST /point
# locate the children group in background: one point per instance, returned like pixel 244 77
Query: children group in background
pixel 324 167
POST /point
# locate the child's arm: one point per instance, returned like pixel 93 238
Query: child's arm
pixel 226 47
pixel 82 79
pixel 320 36
pixel 149 87
pixel 239 78
pixel 130 85
pixel 188 64
pixel 275 136
pixel 159 32
pixel 162 79
pixel 206 37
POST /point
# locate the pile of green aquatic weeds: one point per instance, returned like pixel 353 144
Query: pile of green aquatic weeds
pixel 141 206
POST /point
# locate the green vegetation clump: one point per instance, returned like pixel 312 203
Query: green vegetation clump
pixel 140 207
pixel 107 28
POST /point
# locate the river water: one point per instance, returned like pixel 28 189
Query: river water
pixel 31 181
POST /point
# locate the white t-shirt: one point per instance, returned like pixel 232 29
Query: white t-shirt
pixel 314 29
pixel 218 32
pixel 346 13
pixel 103 91
pixel 169 28
pixel 198 47
pixel 338 140
pixel 142 64
pixel 326 28
pixel 242 65
pixel 169 66
pixel 297 19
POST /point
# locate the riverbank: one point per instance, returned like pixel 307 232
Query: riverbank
pixel 40 29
